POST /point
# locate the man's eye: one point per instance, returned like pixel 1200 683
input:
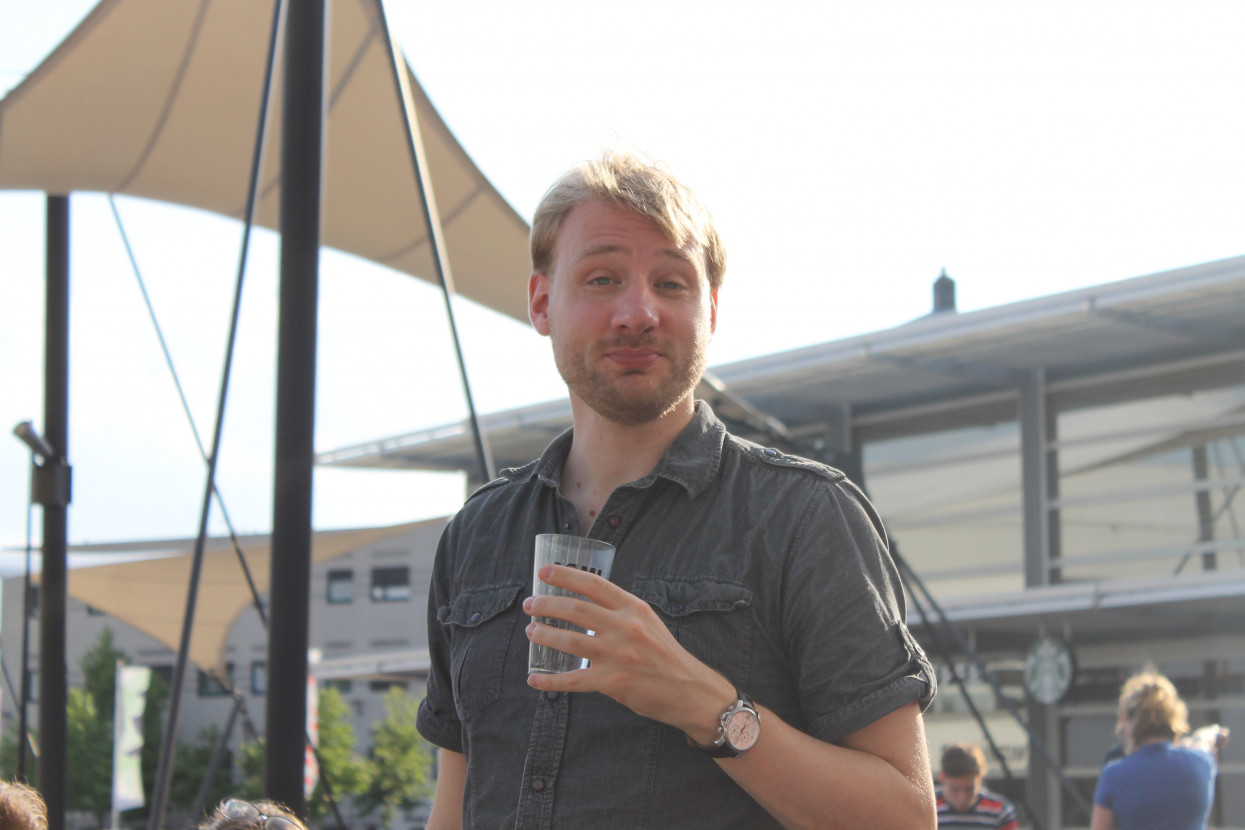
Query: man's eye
pixel 601 280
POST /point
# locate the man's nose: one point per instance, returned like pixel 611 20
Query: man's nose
pixel 636 311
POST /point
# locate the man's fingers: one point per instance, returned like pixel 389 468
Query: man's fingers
pixel 596 588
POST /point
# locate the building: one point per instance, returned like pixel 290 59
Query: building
pixel 1066 467
pixel 1061 474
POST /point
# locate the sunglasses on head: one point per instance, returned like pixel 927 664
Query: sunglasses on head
pixel 235 808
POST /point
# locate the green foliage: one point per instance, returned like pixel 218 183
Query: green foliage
pixel 401 761
pixel 251 767
pixel 99 670
pixel 88 744
pixel 190 766
pixel 153 734
pixel 348 774
pixel 89 739
pixel 8 756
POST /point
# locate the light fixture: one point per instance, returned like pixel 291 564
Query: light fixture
pixel 31 438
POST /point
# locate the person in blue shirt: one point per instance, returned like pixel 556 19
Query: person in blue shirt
pixel 1166 779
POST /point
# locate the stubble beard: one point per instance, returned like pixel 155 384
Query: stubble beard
pixel 617 401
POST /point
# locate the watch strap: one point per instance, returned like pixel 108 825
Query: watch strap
pixel 721 748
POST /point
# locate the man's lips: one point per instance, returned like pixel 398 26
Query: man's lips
pixel 634 358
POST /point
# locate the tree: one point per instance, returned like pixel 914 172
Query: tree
pixel 88 746
pixel 401 761
pixel 347 773
pixel 89 738
pixel 99 672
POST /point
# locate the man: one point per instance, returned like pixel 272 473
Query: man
pixel 961 800
pixel 741 575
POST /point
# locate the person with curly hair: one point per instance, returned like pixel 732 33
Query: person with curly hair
pixel 235 814
pixel 21 808
pixel 1166 779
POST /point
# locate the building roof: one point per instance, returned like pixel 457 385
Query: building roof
pixel 939 358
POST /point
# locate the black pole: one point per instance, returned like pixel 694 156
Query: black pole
pixel 23 728
pixel 55 500
pixel 436 241
pixel 301 144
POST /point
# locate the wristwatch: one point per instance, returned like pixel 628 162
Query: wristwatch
pixel 738 730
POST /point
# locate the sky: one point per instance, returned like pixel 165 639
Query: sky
pixel 849 151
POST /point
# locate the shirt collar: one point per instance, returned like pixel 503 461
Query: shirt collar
pixel 692 461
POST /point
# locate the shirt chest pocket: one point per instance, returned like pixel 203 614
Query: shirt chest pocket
pixel 480 624
pixel 710 618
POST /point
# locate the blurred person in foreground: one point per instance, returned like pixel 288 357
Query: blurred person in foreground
pixel 961 800
pixel 1166 779
pixel 750 666
pixel 21 808
pixel 235 814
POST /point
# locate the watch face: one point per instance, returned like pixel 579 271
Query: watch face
pixel 1048 670
pixel 742 730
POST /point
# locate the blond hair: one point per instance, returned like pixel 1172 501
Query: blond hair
pixel 1152 709
pixel 224 819
pixel 21 808
pixel 963 760
pixel 627 182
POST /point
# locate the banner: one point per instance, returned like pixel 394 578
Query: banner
pixel 127 745
pixel 311 768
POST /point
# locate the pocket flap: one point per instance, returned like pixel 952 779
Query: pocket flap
pixel 477 606
pixel 679 598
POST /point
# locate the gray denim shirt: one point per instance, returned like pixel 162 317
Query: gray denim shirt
pixel 770 568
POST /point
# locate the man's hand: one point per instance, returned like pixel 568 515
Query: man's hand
pixel 634 658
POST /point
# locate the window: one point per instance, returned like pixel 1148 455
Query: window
pixel 211 686
pixel 384 685
pixel 391 584
pixel 343 685
pixel 340 590
pixel 32 600
pixel 259 677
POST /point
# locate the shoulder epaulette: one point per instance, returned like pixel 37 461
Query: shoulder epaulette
pixel 777 458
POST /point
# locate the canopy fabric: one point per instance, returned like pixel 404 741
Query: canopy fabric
pixel 151 594
pixel 161 100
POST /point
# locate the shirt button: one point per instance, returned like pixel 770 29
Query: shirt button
pixel 771 452
pixel 566 525
pixel 551 695
pixel 538 784
pixel 475 618
pixel 613 521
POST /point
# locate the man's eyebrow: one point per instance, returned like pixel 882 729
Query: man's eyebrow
pixel 673 253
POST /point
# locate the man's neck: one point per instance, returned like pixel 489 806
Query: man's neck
pixel 605 455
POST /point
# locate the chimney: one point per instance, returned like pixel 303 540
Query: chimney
pixel 944 293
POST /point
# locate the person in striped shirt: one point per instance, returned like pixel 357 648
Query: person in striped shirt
pixel 961 800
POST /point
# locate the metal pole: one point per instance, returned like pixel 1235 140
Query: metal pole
pixel 436 241
pixel 301 187
pixel 164 769
pixel 23 681
pixel 53 582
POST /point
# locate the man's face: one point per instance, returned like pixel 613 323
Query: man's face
pixel 961 791
pixel 630 313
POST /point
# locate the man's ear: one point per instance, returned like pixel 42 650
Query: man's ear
pixel 713 310
pixel 538 302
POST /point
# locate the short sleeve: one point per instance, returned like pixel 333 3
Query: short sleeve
pixel 1104 793
pixel 437 719
pixel 844 614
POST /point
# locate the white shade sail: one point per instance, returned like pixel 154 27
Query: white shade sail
pixel 161 100
pixel 151 594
